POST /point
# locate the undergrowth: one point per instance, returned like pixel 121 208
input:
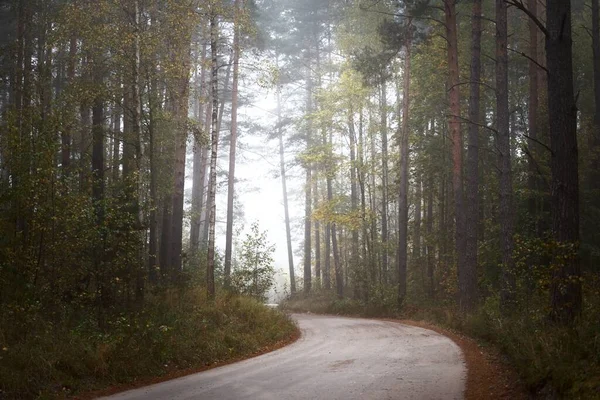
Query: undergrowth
pixel 177 329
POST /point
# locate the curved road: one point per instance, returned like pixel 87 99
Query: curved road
pixel 336 358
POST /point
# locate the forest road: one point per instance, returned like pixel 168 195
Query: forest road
pixel 336 358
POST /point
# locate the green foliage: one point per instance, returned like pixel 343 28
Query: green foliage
pixel 255 274
pixel 177 329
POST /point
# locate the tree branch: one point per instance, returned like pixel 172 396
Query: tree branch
pixel 519 4
pixel 537 141
pixel 529 58
pixel 469 82
pixel 473 123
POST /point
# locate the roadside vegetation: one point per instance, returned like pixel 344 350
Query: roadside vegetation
pixel 177 329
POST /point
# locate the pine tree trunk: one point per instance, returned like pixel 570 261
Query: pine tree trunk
pixel 403 190
pixel 468 274
pixel 339 276
pixel 210 268
pixel 384 182
pixel 355 256
pixel 232 146
pixel 430 247
pixel 319 276
pixel 67 133
pixel 418 217
pixel 507 294
pixel 205 180
pixel 308 198
pixel 565 288
pixel 455 135
pixel 532 119
pixel 199 169
pixel 288 234
pixel 367 273
pixel 595 164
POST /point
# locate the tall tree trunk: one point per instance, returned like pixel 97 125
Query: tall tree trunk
pixel 67 132
pixel 210 268
pixel 532 119
pixel 233 143
pixel 565 288
pixel 152 150
pixel 205 179
pixel 355 256
pixel 339 276
pixel 180 115
pixel 288 234
pixel 468 275
pixel 368 278
pixel 595 165
pixel 455 134
pixel 418 216
pixel 507 294
pixel 403 190
pixel 98 190
pixel 376 272
pixel 329 171
pixel 384 182
pixel 307 189
pixel 199 169
pixel 430 247
pixel 317 230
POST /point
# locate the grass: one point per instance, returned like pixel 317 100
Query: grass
pixel 554 362
pixel 177 330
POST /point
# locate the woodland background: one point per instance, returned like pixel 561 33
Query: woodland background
pixel 449 152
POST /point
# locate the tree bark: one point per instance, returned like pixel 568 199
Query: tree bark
pixel 595 164
pixel 403 190
pixel 565 287
pixel 288 234
pixel 339 276
pixel 199 169
pixel 233 143
pixel 468 274
pixel 532 119
pixel 320 275
pixel 455 134
pixel 355 256
pixel 210 268
pixel 508 286
pixel 307 190
pixel 384 182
